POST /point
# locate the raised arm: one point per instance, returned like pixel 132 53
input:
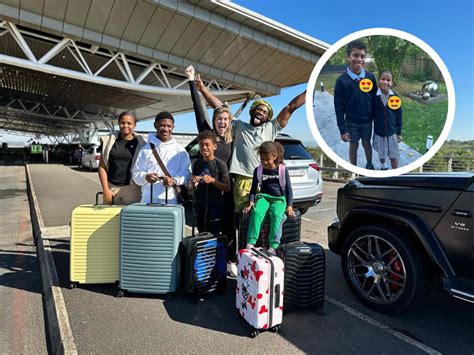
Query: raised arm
pixel 200 111
pixel 285 114
pixel 212 101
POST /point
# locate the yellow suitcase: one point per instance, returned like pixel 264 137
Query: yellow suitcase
pixel 95 240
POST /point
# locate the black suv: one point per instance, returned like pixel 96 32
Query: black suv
pixel 399 236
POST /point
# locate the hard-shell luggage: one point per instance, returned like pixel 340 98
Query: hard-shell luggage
pixel 204 259
pixel 94 254
pixel 259 293
pixel 291 231
pixel 150 235
pixel 305 267
pixel 205 265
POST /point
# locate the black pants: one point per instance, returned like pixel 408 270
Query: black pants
pixel 210 220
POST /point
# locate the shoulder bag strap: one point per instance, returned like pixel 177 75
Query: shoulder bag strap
pixel 162 166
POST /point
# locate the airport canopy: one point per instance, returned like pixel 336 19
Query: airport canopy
pixel 69 66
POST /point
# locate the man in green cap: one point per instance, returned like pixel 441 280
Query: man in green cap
pixel 249 136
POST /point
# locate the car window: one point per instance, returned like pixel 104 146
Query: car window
pixel 295 151
pixel 193 151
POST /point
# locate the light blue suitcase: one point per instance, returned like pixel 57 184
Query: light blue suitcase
pixel 150 235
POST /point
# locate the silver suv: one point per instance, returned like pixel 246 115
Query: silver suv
pixel 304 172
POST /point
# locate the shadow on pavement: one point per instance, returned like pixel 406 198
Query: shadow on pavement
pixel 23 275
pixel 11 193
pixel 214 311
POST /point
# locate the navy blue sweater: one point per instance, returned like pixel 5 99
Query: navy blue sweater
pixel 351 103
pixel 387 122
pixel 271 185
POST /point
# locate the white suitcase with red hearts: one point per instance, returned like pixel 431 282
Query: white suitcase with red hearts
pixel 259 293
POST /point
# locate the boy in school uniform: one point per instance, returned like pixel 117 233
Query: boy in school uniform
pixel 353 95
pixel 211 179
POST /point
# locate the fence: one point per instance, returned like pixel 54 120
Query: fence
pixel 439 163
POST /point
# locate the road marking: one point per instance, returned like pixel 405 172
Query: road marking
pixel 306 219
pixel 325 209
pixel 383 327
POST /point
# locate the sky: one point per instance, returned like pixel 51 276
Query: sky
pixel 331 20
pixel 445 25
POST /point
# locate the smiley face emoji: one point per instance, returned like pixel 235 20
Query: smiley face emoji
pixel 366 85
pixel 394 102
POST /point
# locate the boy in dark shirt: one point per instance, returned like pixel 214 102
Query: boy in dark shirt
pixel 353 95
pixel 211 180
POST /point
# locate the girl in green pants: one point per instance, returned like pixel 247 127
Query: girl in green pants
pixel 275 195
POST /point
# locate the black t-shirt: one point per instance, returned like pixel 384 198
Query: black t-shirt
pixel 218 170
pixel 120 161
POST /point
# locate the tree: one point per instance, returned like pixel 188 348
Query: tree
pixel 389 52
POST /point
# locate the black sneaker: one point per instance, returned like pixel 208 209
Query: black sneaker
pixel 369 166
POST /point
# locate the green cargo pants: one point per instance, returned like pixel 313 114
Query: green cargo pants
pixel 276 206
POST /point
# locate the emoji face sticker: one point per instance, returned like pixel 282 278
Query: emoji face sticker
pixel 394 102
pixel 366 85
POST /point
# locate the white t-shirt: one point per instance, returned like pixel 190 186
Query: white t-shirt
pixel 247 140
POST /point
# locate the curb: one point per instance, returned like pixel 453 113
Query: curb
pixel 61 339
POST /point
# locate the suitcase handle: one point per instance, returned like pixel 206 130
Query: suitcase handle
pixel 151 194
pixel 277 296
pixel 97 198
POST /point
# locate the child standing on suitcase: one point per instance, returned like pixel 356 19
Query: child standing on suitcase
pixel 211 180
pixel 275 195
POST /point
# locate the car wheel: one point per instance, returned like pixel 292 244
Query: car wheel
pixel 382 268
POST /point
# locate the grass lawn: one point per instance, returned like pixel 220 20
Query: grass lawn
pixel 419 120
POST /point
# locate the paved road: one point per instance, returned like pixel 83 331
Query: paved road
pixel 22 328
pixel 102 323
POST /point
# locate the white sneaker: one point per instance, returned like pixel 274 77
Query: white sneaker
pixel 232 269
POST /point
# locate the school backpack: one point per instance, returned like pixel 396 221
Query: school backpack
pixel 281 175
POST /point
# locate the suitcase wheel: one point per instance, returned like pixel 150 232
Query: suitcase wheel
pixel 319 311
pixel 276 328
pixel 170 295
pixel 254 333
pixel 120 294
pixel 72 285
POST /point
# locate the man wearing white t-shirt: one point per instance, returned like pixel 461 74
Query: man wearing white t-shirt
pixel 249 136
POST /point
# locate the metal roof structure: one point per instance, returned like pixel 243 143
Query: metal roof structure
pixel 69 66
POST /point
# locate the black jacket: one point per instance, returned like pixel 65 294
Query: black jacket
pixel 351 103
pixel 387 122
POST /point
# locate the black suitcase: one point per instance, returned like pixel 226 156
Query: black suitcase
pixel 305 268
pixel 291 230
pixel 204 261
pixel 205 264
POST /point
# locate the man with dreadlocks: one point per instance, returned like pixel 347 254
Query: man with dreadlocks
pixel 249 136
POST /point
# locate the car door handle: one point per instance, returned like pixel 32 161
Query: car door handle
pixel 461 213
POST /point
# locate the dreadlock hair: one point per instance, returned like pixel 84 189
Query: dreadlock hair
pixel 270 147
pixel 224 108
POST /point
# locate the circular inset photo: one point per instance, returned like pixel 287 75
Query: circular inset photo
pixel 381 102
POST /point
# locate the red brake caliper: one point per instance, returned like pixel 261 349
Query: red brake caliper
pixel 397 267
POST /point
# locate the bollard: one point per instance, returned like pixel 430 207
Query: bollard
pixel 429 142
